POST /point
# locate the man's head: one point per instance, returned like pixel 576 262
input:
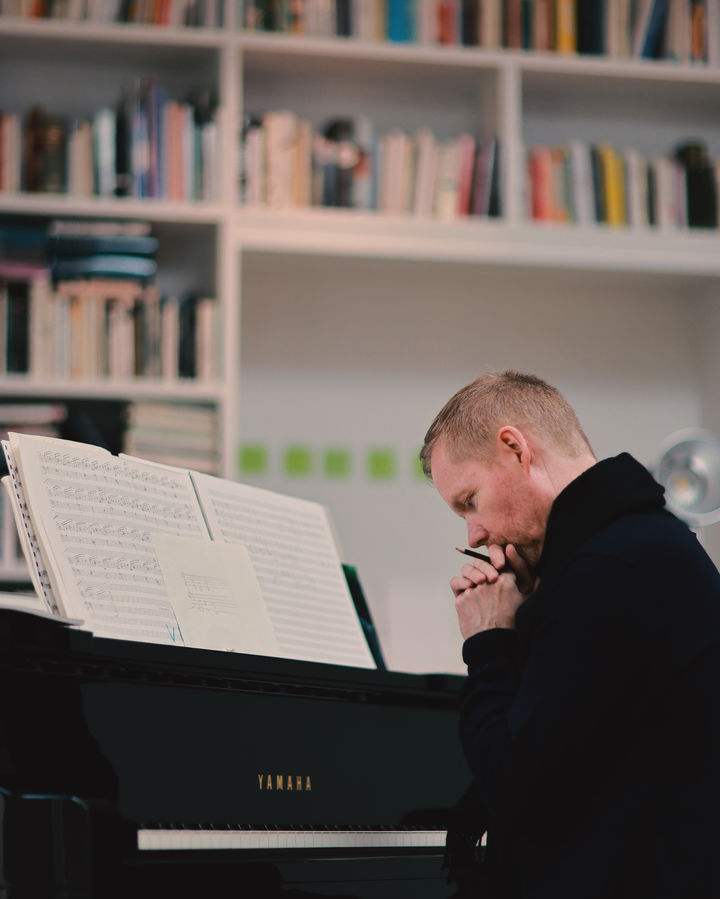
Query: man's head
pixel 499 453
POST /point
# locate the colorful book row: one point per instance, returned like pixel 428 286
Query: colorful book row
pixel 179 13
pixel 684 30
pixel 286 163
pixel 148 146
pixel 597 183
pixel 97 328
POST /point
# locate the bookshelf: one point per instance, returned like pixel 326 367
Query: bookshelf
pixel 293 281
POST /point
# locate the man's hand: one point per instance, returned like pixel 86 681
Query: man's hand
pixel 488 595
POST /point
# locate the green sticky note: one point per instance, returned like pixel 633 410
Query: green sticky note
pixel 337 462
pixel 417 468
pixel 381 464
pixel 298 461
pixel 253 458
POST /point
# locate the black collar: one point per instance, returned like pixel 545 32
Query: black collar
pixel 607 490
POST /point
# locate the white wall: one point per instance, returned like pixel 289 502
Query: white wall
pixel 362 353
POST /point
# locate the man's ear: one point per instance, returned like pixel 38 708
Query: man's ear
pixel 512 440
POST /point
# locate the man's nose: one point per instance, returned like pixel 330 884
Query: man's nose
pixel 477 535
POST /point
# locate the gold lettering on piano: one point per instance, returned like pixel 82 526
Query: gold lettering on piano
pixel 287 782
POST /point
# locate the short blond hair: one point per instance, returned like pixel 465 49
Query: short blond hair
pixel 471 418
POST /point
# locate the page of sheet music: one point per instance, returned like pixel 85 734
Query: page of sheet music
pixel 216 596
pixel 94 516
pixel 295 558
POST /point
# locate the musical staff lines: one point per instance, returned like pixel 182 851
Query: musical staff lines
pixel 295 559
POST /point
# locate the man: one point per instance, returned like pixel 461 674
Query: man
pixel 591 714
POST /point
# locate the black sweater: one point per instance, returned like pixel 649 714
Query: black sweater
pixel 593 729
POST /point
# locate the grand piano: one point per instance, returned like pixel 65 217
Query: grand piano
pixel 137 770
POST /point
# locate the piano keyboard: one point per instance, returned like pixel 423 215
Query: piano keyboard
pixel 288 838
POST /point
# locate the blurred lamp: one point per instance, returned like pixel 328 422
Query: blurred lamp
pixel 689 470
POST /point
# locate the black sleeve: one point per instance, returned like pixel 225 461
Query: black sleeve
pixel 592 667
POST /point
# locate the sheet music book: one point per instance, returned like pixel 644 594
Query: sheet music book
pixel 137 550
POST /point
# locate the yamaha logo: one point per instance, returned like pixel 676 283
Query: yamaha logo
pixel 295 783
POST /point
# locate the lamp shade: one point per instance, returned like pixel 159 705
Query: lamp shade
pixel 689 470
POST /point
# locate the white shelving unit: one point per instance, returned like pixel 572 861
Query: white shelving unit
pixel 343 326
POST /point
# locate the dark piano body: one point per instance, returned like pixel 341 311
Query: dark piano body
pixel 133 770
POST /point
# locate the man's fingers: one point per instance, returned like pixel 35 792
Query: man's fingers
pixel 458 585
pixel 479 572
pixel 523 575
pixel 497 556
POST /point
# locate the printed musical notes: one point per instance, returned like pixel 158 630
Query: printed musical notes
pixel 295 558
pixel 95 515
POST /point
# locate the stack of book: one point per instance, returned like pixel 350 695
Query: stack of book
pixel 101 249
pixel 346 164
pixel 78 299
pixel 44 419
pixel 174 434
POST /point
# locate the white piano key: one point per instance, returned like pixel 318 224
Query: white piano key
pixel 178 839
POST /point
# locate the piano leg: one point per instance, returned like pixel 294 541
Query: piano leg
pixel 46 847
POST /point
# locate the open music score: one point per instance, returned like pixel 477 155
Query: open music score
pixel 143 551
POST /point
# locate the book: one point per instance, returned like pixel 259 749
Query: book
pixel 590 27
pixel 426 172
pixel 399 20
pixel 491 24
pixel 104 265
pixel 513 24
pixel 566 26
pixel 700 188
pixel 637 188
pixel 617 28
pixel 88 244
pixel 581 179
pixel 80 174
pixel 448 188
pixel 698 31
pixel 18 327
pixel 21 414
pixel 677 33
pixel 10 152
pixel 280 128
pixel 651 30
pixel 195 420
pixel 148 552
pixel 540 177
pixel 614 185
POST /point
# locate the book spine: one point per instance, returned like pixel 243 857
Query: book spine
pixel 18 327
pixel 566 26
